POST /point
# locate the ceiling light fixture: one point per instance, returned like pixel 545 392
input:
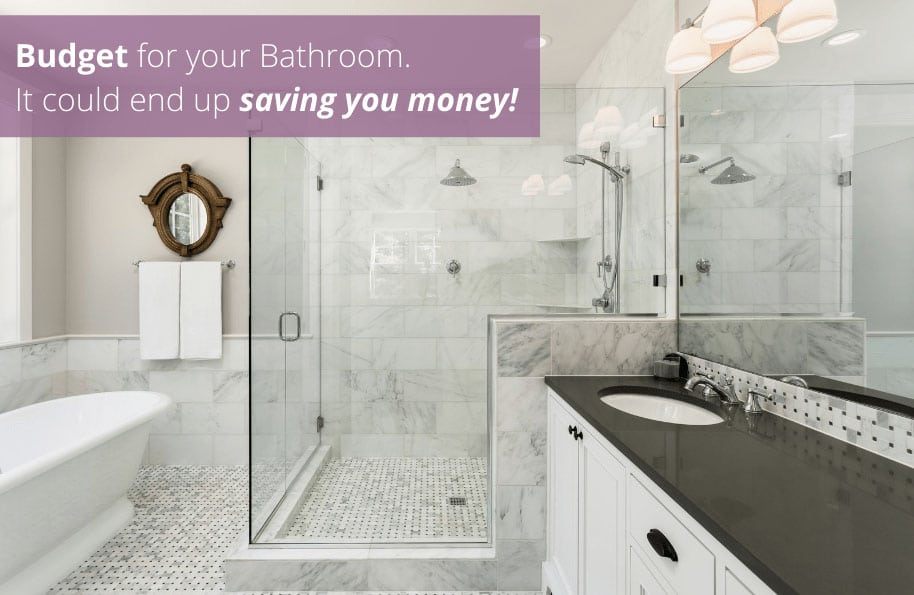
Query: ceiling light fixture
pixel 608 122
pixel 561 185
pixel 802 20
pixel 545 40
pixel 843 38
pixel 687 52
pixel 728 20
pixel 757 51
pixel 587 139
pixel 533 185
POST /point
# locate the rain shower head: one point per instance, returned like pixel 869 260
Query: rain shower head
pixel 458 177
pixel 579 159
pixel 733 174
pixel 688 158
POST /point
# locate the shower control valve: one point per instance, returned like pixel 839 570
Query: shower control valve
pixel 453 267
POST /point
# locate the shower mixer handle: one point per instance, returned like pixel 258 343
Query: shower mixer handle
pixel 604 265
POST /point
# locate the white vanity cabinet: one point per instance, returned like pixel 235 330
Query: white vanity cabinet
pixel 602 508
pixel 585 482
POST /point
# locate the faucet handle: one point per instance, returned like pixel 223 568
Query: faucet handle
pixel 753 405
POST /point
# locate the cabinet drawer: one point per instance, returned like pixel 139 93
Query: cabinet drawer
pixel 693 572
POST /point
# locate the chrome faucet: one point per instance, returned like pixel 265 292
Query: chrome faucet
pixel 604 302
pixel 724 391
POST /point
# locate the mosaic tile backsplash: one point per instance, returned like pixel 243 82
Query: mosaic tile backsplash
pixel 885 433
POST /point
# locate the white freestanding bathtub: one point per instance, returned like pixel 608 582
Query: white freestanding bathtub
pixel 65 466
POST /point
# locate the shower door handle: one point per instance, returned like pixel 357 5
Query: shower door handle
pixel 282 329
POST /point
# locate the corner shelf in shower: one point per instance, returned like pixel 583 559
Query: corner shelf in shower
pixel 565 240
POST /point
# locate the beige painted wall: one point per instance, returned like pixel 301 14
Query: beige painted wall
pixel 108 226
pixel 49 231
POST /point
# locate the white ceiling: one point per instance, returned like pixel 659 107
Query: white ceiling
pixel 884 54
pixel 579 28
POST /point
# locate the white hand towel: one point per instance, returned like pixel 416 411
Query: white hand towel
pixel 160 284
pixel 201 310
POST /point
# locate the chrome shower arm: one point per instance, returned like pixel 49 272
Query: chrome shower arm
pixel 705 168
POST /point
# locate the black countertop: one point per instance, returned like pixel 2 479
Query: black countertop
pixel 807 513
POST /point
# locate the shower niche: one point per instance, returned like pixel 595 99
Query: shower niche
pixel 375 265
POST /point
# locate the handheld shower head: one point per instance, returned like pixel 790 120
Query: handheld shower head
pixel 579 159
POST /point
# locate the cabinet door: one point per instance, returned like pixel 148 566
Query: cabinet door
pixel 739 581
pixel 640 580
pixel 563 498
pixel 602 487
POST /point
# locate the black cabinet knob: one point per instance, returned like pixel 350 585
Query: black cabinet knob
pixel 578 435
pixel 571 430
pixel 662 545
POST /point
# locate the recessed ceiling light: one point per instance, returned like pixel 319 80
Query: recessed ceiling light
pixel 837 135
pixel 844 37
pixel 538 43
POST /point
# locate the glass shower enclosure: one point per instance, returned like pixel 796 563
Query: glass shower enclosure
pixel 371 287
pixel 285 411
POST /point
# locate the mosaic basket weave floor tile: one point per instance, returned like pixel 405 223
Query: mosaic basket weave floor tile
pixel 189 518
pixel 379 500
pixel 187 521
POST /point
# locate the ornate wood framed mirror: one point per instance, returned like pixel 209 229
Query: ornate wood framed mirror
pixel 187 211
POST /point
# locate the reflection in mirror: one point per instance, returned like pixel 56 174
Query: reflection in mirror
pixel 187 218
pixel 806 269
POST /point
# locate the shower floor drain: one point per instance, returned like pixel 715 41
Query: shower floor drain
pixel 457 501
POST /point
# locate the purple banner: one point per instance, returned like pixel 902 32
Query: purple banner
pixel 269 76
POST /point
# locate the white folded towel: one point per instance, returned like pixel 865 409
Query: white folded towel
pixel 160 292
pixel 201 310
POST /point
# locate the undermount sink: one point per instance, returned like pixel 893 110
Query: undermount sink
pixel 662 409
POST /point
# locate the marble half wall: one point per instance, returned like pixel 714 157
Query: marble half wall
pixel 522 351
pixel 833 347
pixel 32 372
pixel 207 423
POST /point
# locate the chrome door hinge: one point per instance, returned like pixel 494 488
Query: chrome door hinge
pixel 320 423
pixel 846 178
pixel 320 183
pixel 659 121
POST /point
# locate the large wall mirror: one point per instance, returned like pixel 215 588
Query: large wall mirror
pixel 797 208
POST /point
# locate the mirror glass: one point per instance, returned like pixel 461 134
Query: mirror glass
pixel 187 218
pixel 797 208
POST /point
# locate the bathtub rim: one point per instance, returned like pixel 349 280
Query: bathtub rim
pixel 21 474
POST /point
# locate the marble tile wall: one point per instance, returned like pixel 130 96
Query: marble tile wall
pixel 526 350
pixel 32 372
pixel 833 347
pixel 631 62
pixel 643 215
pixel 205 425
pixel 403 343
pixel 780 243
pixel 890 363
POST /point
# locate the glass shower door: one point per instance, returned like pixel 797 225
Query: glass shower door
pixel 285 328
